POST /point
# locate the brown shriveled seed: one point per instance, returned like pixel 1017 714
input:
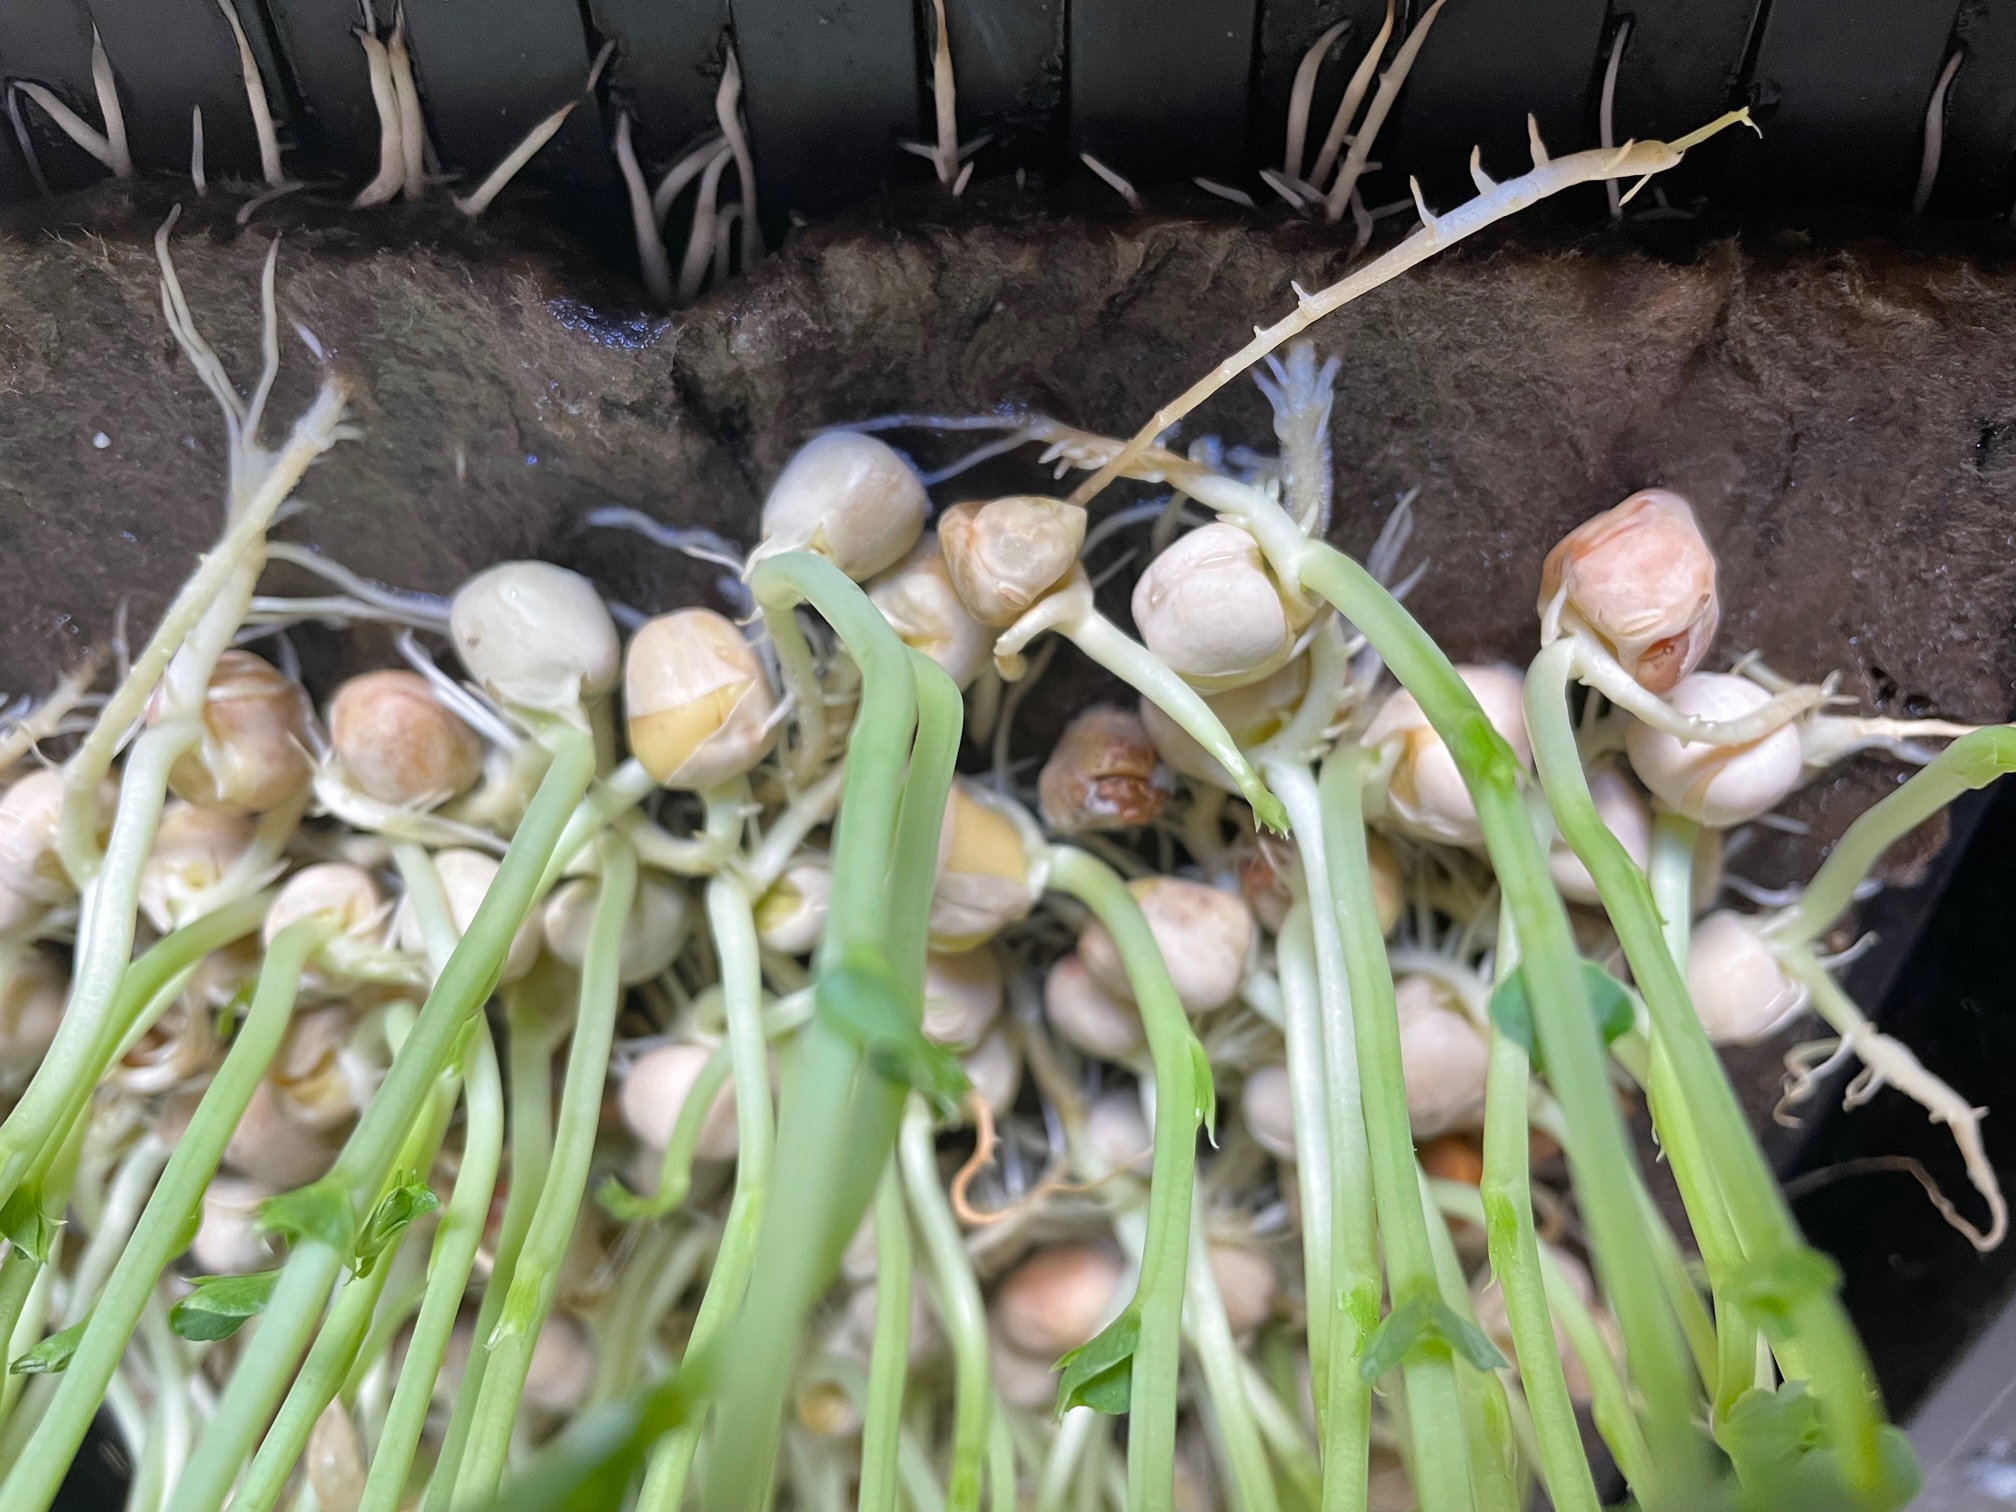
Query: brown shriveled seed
pixel 1103 775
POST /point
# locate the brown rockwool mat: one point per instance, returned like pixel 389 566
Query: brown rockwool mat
pixel 1844 420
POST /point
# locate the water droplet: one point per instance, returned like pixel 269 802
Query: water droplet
pixel 101 440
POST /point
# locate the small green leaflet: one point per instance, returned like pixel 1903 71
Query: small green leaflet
pixel 1100 1373
pixel 857 1005
pixel 1609 1002
pixel 405 1202
pixel 1206 1088
pixel 26 1226
pixel 1423 1322
pixel 219 1305
pixel 1770 1287
pixel 52 1355
pixel 317 1212
pixel 1786 1462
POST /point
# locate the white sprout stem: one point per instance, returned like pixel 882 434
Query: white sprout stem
pixel 1354 96
pixel 1888 1061
pixel 700 239
pixel 423 611
pixel 1606 125
pixel 1138 667
pixel 478 200
pixel 651 257
pixel 1827 738
pixel 197 173
pixel 608 800
pixel 120 159
pixel 727 111
pixel 684 172
pixel 42 721
pixel 362 812
pixel 1598 669
pixel 391 175
pixel 1252 1481
pixel 1068 1445
pixel 1357 159
pixel 255 99
pixel 26 141
pixel 123 1201
pixel 1549 176
pixel 74 126
pixel 1114 181
pixel 1302 95
pixel 809 810
pixel 412 125
pixel 1309 1103
pixel 1935 134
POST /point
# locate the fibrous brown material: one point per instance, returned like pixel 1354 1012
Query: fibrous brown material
pixel 1840 419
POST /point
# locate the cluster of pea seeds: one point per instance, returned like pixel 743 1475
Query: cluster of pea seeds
pixel 585 1072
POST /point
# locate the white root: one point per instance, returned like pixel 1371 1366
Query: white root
pixel 1606 112
pixel 412 126
pixel 651 259
pixel 1225 192
pixel 1355 165
pixel 1354 96
pixel 255 98
pixel 478 200
pixel 197 175
pixel 71 124
pixel 121 162
pixel 1302 96
pixel 700 239
pixel 685 171
pixel 1495 204
pixel 1935 135
pixel 391 175
pixel 1890 1062
pixel 1598 669
pixel 37 724
pixel 728 112
pixel 1825 739
pixel 1119 185
pixel 26 141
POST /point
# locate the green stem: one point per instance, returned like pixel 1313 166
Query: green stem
pixel 1506 1193
pixel 1599 1147
pixel 1670 875
pixel 1973 761
pixel 889 1356
pixel 734 928
pixel 530 1299
pixel 1225 1382
pixel 675 1169
pixel 101 959
pixel 1179 1108
pixel 1428 1373
pixel 456 1240
pixel 1357 1284
pixel 957 1293
pixel 529 1030
pixel 161 1232
pixel 1495 1422
pixel 839 1114
pixel 1763 1222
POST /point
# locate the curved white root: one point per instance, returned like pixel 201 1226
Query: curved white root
pixel 1890 1062
pixel 1827 738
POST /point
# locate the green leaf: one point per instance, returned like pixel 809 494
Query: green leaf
pixel 1206 1088
pixel 1609 1003
pixel 52 1355
pixel 589 1467
pixel 1100 1372
pixel 1423 1323
pixel 405 1202
pixel 1772 1287
pixel 26 1226
pixel 856 1003
pixel 317 1212
pixel 219 1305
pixel 1785 1461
